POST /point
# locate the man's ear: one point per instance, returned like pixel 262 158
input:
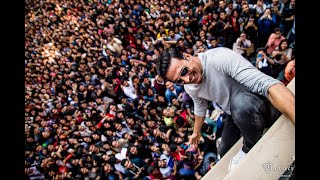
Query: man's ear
pixel 187 56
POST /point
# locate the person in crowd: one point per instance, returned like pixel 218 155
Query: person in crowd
pixel 173 91
pixel 290 72
pixel 274 40
pixel 266 25
pixel 281 56
pixel 263 62
pixel 250 27
pixel 243 45
pixel 235 28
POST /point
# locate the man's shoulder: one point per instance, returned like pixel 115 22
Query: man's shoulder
pixel 217 49
pixel 215 54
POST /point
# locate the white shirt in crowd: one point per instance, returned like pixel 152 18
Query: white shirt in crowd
pixel 129 91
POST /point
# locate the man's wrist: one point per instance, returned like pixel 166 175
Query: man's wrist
pixel 196 131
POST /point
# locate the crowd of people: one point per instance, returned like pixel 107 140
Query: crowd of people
pixel 95 105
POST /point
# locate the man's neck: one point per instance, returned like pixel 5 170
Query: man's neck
pixel 198 61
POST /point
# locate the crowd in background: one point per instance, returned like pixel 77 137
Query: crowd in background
pixel 95 107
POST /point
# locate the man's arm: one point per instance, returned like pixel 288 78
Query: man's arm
pixel 195 137
pixel 200 110
pixel 283 99
pixel 245 73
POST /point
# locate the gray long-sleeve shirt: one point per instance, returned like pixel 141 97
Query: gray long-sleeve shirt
pixel 226 72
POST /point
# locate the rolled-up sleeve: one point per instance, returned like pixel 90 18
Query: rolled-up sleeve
pixel 200 106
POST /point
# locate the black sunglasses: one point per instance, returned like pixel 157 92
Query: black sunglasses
pixel 184 71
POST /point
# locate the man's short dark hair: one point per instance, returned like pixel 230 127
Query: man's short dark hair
pixel 212 38
pixel 164 60
pixel 129 148
pixel 134 77
pixel 261 49
pixel 180 121
pixel 173 147
pixel 180 39
pixel 277 29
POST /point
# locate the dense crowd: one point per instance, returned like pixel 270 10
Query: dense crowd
pixel 95 106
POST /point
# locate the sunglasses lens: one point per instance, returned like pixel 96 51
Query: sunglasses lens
pixel 184 71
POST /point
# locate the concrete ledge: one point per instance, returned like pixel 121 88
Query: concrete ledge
pixel 267 160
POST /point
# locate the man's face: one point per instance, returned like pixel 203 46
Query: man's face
pixel 169 112
pixel 154 148
pixel 190 72
pixel 245 8
pixel 181 43
pixel 113 108
pixel 151 124
pixel 128 164
pixel 120 115
pixel 169 85
pixel 199 43
pixel 278 34
pixel 106 146
pixel 92 148
pixel 243 36
pixel 213 43
pixel 130 121
pixel 105 157
pixel 75 161
pixel 161 98
pixel 182 29
pixel 107 168
pixel 118 126
pixel 156 132
pixel 135 80
pixel 159 79
pixel 109 133
pixel 165 147
pixel 84 170
pixel 162 164
pixel 95 136
pixel 175 102
pixel 222 4
pixel 115 144
pixel 171 33
pixel 146 81
pixel 178 140
pixel 87 139
pixel 127 136
pixel 223 15
pixel 134 150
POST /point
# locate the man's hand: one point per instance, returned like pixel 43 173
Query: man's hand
pixel 195 137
